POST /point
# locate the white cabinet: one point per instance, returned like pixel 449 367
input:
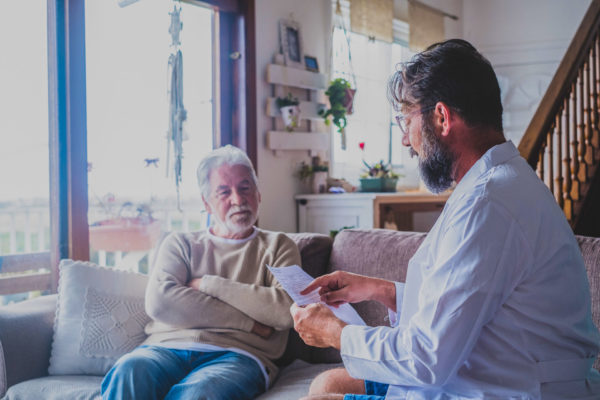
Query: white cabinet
pixel 322 213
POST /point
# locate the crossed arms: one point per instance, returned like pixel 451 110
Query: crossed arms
pixel 173 297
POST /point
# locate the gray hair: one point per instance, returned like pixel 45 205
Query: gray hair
pixel 226 155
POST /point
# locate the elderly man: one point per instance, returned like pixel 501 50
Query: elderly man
pixel 219 318
pixel 496 303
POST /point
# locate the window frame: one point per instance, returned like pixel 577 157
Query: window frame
pixel 67 125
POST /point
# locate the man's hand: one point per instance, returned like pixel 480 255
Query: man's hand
pixel 195 283
pixel 261 330
pixel 317 325
pixel 342 287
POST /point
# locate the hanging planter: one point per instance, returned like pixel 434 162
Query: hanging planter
pixel 341 101
pixel 290 111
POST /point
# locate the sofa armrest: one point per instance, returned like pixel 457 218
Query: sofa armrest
pixel 25 340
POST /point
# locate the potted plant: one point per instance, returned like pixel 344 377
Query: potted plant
pixel 290 111
pixel 316 173
pixel 378 177
pixel 341 100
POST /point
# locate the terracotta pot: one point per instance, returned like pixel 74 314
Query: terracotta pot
pixel 349 101
pixel 124 234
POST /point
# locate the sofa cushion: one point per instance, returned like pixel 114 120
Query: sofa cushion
pixel 590 248
pixel 294 380
pixel 315 250
pixel 99 317
pixel 72 387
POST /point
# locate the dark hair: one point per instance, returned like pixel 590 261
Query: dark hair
pixel 455 73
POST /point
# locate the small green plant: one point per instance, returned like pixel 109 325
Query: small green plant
pixel 338 100
pixel 286 101
pixel 305 171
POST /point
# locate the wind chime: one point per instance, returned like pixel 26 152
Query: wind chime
pixel 177 112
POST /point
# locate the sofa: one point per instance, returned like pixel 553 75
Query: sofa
pixel 26 329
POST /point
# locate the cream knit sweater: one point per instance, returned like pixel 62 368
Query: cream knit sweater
pixel 236 290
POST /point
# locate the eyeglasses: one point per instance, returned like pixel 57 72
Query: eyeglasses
pixel 401 119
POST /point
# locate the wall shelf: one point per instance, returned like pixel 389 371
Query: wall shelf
pixel 286 76
pixel 285 80
pixel 311 141
pixel 308 109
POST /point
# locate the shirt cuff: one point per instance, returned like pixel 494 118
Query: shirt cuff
pixel 395 316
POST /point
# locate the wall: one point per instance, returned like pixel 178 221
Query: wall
pixel 277 182
pixel 525 41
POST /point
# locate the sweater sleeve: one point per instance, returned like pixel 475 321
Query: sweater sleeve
pixel 270 304
pixel 170 301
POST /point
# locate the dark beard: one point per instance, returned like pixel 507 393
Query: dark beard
pixel 436 162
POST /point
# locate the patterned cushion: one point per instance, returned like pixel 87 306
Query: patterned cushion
pixel 99 317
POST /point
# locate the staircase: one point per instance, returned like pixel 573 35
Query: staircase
pixel 562 142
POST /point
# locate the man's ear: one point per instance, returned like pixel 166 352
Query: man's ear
pixel 443 117
pixel 206 205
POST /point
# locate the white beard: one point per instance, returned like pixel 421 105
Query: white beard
pixel 236 224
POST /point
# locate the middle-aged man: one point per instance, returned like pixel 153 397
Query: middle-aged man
pixel 219 318
pixel 496 303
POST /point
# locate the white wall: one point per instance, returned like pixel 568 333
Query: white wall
pixel 525 41
pixel 276 174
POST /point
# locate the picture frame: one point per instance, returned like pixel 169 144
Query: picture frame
pixel 291 43
pixel 311 63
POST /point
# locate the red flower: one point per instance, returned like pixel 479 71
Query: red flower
pixel 362 146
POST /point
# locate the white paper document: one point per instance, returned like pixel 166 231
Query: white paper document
pixel 294 279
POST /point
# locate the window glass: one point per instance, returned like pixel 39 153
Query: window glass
pixel 132 192
pixel 24 180
pixel 367 64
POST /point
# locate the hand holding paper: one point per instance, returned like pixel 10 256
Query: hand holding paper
pixel 294 279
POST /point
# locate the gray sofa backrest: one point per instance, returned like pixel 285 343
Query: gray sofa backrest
pixel 385 254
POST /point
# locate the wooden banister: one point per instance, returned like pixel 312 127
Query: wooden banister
pixel 566 74
pixel 562 141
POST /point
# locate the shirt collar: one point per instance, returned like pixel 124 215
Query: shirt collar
pixel 232 241
pixel 499 154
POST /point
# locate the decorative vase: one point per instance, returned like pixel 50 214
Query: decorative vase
pixel 291 116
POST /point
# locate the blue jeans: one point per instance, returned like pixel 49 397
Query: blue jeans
pixel 374 390
pixel 154 372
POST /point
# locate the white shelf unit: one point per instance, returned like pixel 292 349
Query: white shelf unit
pixel 311 141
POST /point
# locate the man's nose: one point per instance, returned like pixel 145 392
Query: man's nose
pixel 405 140
pixel 237 198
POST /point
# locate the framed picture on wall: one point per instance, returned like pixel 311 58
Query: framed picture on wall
pixel 291 43
pixel 311 63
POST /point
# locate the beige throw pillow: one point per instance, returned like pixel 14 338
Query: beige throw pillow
pixel 100 316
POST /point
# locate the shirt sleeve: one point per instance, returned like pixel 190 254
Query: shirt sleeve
pixel 479 260
pixel 170 301
pixel 270 304
pixel 394 317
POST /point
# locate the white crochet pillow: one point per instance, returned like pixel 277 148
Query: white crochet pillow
pixel 99 317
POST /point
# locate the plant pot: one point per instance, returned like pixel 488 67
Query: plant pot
pixel 378 184
pixel 291 116
pixel 348 102
pixel 124 234
pixel 319 182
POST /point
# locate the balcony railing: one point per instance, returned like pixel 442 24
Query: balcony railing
pixel 25 263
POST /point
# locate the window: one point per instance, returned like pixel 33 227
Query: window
pixel 370 63
pixel 24 183
pixel 132 194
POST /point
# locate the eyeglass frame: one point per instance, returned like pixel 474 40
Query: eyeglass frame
pixel 401 119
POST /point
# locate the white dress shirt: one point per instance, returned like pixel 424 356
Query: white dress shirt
pixel 496 303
